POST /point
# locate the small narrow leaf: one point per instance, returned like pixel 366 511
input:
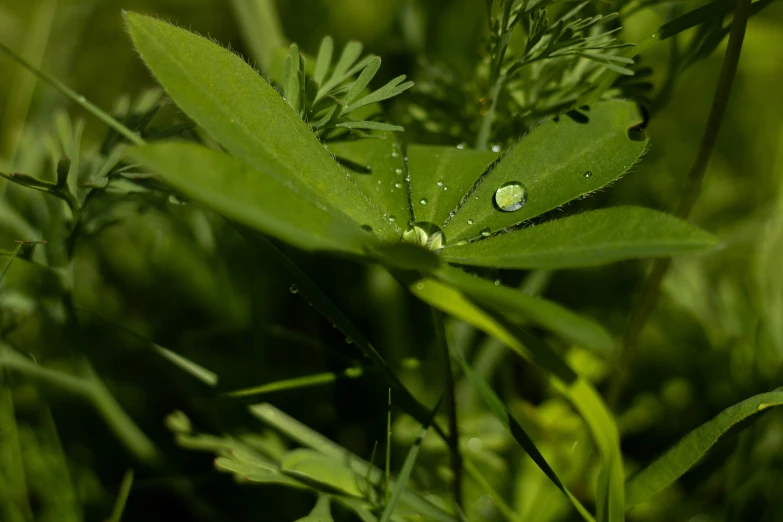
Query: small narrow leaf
pixel 370 125
pixel 317 379
pixel 687 452
pixel 587 239
pixel 391 89
pixel 324 59
pixel 363 81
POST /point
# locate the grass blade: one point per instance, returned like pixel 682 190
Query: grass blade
pixel 204 375
pixel 122 497
pixel 307 381
pixel 407 468
pixel 690 449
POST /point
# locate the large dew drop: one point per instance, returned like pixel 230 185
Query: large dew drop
pixel 424 234
pixel 511 196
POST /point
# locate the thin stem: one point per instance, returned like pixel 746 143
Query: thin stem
pixel 482 140
pixel 644 307
pixel 453 439
pixel 76 97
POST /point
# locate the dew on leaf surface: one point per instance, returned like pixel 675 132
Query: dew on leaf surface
pixel 511 196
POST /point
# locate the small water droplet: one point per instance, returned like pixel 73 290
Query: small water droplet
pixel 367 228
pixel 497 282
pixel 588 174
pixel 423 201
pixel 81 99
pixel 763 406
pixel 461 242
pixel 398 171
pixel 293 289
pixel 395 154
pixel 445 187
pixel 470 222
pixel 348 340
pixel 392 218
pixel 475 197
pixel 419 286
pixel 398 185
pixel 379 182
pixel 440 183
pixel 485 232
pixel 511 196
pixel 496 148
pixel 461 146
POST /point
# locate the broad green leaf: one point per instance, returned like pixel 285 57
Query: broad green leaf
pixel 520 307
pixel 442 176
pixel 223 94
pixel 585 399
pixel 588 239
pixel 497 408
pixel 687 452
pixel 253 197
pixel 405 472
pixel 322 471
pixel 557 162
pixel 385 181
pixel 321 512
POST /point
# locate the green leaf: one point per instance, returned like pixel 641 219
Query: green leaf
pixel 254 197
pixel 687 452
pixel 385 181
pixel 610 492
pixel 206 376
pixel 363 81
pixel 324 59
pixel 557 162
pixel 322 471
pixel 587 239
pixel 391 89
pixel 321 512
pixel 497 408
pixel 370 125
pixel 520 307
pixel 223 94
pixel 122 497
pixel 407 468
pixel 432 168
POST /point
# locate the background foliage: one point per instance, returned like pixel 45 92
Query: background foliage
pixel 156 270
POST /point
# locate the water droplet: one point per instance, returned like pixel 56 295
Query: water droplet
pixel 440 183
pixel 424 234
pixel 461 146
pixel 423 201
pixel 461 242
pixel 367 228
pixel 379 182
pixel 398 185
pixel 496 148
pixel 419 286
pixel 511 196
pixel 588 174
pixel 293 289
pixel 392 218
pixel 348 340
pixel 475 445
pixel 395 154
pixel 497 282
pixel 398 171
pixel 470 221
pixel 485 232
pixel 475 197
pixel 445 188
pixel 81 99
pixel 763 406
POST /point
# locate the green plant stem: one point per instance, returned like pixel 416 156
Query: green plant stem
pixel 76 97
pixel 482 140
pixel 122 497
pixel 453 439
pixel 644 306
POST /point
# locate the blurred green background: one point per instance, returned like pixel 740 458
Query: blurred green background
pixel 182 278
